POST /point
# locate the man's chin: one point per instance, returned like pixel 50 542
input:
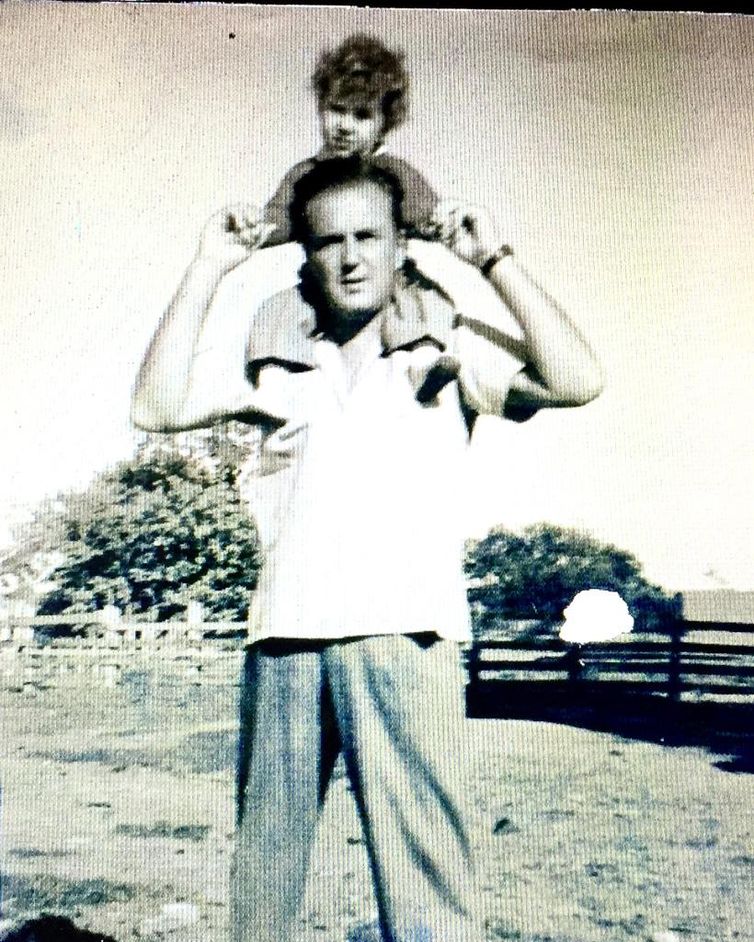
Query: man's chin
pixel 361 314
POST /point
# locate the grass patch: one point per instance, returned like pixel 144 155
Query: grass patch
pixel 73 755
pixel 32 853
pixel 45 892
pixel 183 832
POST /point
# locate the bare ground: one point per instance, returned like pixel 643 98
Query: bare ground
pixel 117 802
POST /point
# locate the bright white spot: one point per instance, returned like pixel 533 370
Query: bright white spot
pixel 596 615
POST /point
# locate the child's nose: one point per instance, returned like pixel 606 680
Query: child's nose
pixel 346 121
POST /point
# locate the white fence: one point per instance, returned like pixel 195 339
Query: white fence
pixel 108 628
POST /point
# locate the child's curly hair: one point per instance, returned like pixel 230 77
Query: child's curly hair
pixel 362 69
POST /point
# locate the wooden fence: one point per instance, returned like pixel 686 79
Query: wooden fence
pixel 692 660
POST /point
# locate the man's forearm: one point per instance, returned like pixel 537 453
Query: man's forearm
pixel 164 380
pixel 559 354
pixel 163 387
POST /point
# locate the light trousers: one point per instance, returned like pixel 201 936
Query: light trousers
pixel 394 706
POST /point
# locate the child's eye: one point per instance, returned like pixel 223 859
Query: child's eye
pixel 364 114
pixel 338 109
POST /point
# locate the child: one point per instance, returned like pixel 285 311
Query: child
pixel 362 91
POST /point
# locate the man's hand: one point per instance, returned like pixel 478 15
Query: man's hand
pixel 233 235
pixel 466 230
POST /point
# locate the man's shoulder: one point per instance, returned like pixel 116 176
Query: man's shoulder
pixel 276 305
pixel 284 311
pixel 281 330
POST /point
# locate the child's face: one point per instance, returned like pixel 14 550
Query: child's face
pixel 349 128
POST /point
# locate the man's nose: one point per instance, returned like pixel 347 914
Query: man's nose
pixel 350 255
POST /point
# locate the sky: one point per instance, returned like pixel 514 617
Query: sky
pixel 615 150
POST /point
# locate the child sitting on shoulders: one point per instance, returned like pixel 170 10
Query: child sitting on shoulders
pixel 362 95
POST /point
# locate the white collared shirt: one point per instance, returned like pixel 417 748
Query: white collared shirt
pixel 359 497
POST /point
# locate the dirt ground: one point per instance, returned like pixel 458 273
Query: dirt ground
pixel 117 809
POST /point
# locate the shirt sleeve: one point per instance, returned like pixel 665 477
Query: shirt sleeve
pixel 489 360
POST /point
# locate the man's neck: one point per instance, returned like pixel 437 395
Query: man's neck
pixel 361 347
pixel 344 332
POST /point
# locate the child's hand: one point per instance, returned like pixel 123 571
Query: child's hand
pixel 232 235
pixel 466 230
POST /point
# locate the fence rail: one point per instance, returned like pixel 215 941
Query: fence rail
pixel 110 628
pixel 670 665
pixel 693 659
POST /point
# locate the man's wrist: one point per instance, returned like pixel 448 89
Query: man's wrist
pixel 504 251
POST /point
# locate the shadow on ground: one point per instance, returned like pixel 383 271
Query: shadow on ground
pixel 724 729
pixel 52 929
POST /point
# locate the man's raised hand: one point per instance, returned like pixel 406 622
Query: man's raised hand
pixel 232 235
pixel 466 230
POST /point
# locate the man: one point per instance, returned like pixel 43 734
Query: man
pixel 365 397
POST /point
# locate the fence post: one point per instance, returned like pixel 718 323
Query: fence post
pixel 472 663
pixel 5 629
pixel 674 664
pixel 110 617
pixel 194 622
pixel 574 664
pixel 23 634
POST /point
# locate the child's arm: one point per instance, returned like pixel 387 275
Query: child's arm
pixel 276 210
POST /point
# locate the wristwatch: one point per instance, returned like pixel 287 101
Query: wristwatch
pixel 486 267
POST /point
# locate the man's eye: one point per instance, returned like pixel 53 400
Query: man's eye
pixel 365 236
pixel 363 114
pixel 322 242
pixel 338 109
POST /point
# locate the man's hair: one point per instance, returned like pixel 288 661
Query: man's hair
pixel 364 71
pixel 336 173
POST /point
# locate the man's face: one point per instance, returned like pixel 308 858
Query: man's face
pixel 349 128
pixel 353 248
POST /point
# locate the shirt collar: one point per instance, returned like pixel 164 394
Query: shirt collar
pixel 285 329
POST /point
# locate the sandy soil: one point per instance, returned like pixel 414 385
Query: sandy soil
pixel 118 802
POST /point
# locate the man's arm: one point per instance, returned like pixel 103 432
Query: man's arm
pixel 162 400
pixel 560 368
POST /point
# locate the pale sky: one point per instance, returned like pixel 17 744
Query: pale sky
pixel 615 150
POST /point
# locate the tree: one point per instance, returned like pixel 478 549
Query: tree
pixel 153 533
pixel 535 574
